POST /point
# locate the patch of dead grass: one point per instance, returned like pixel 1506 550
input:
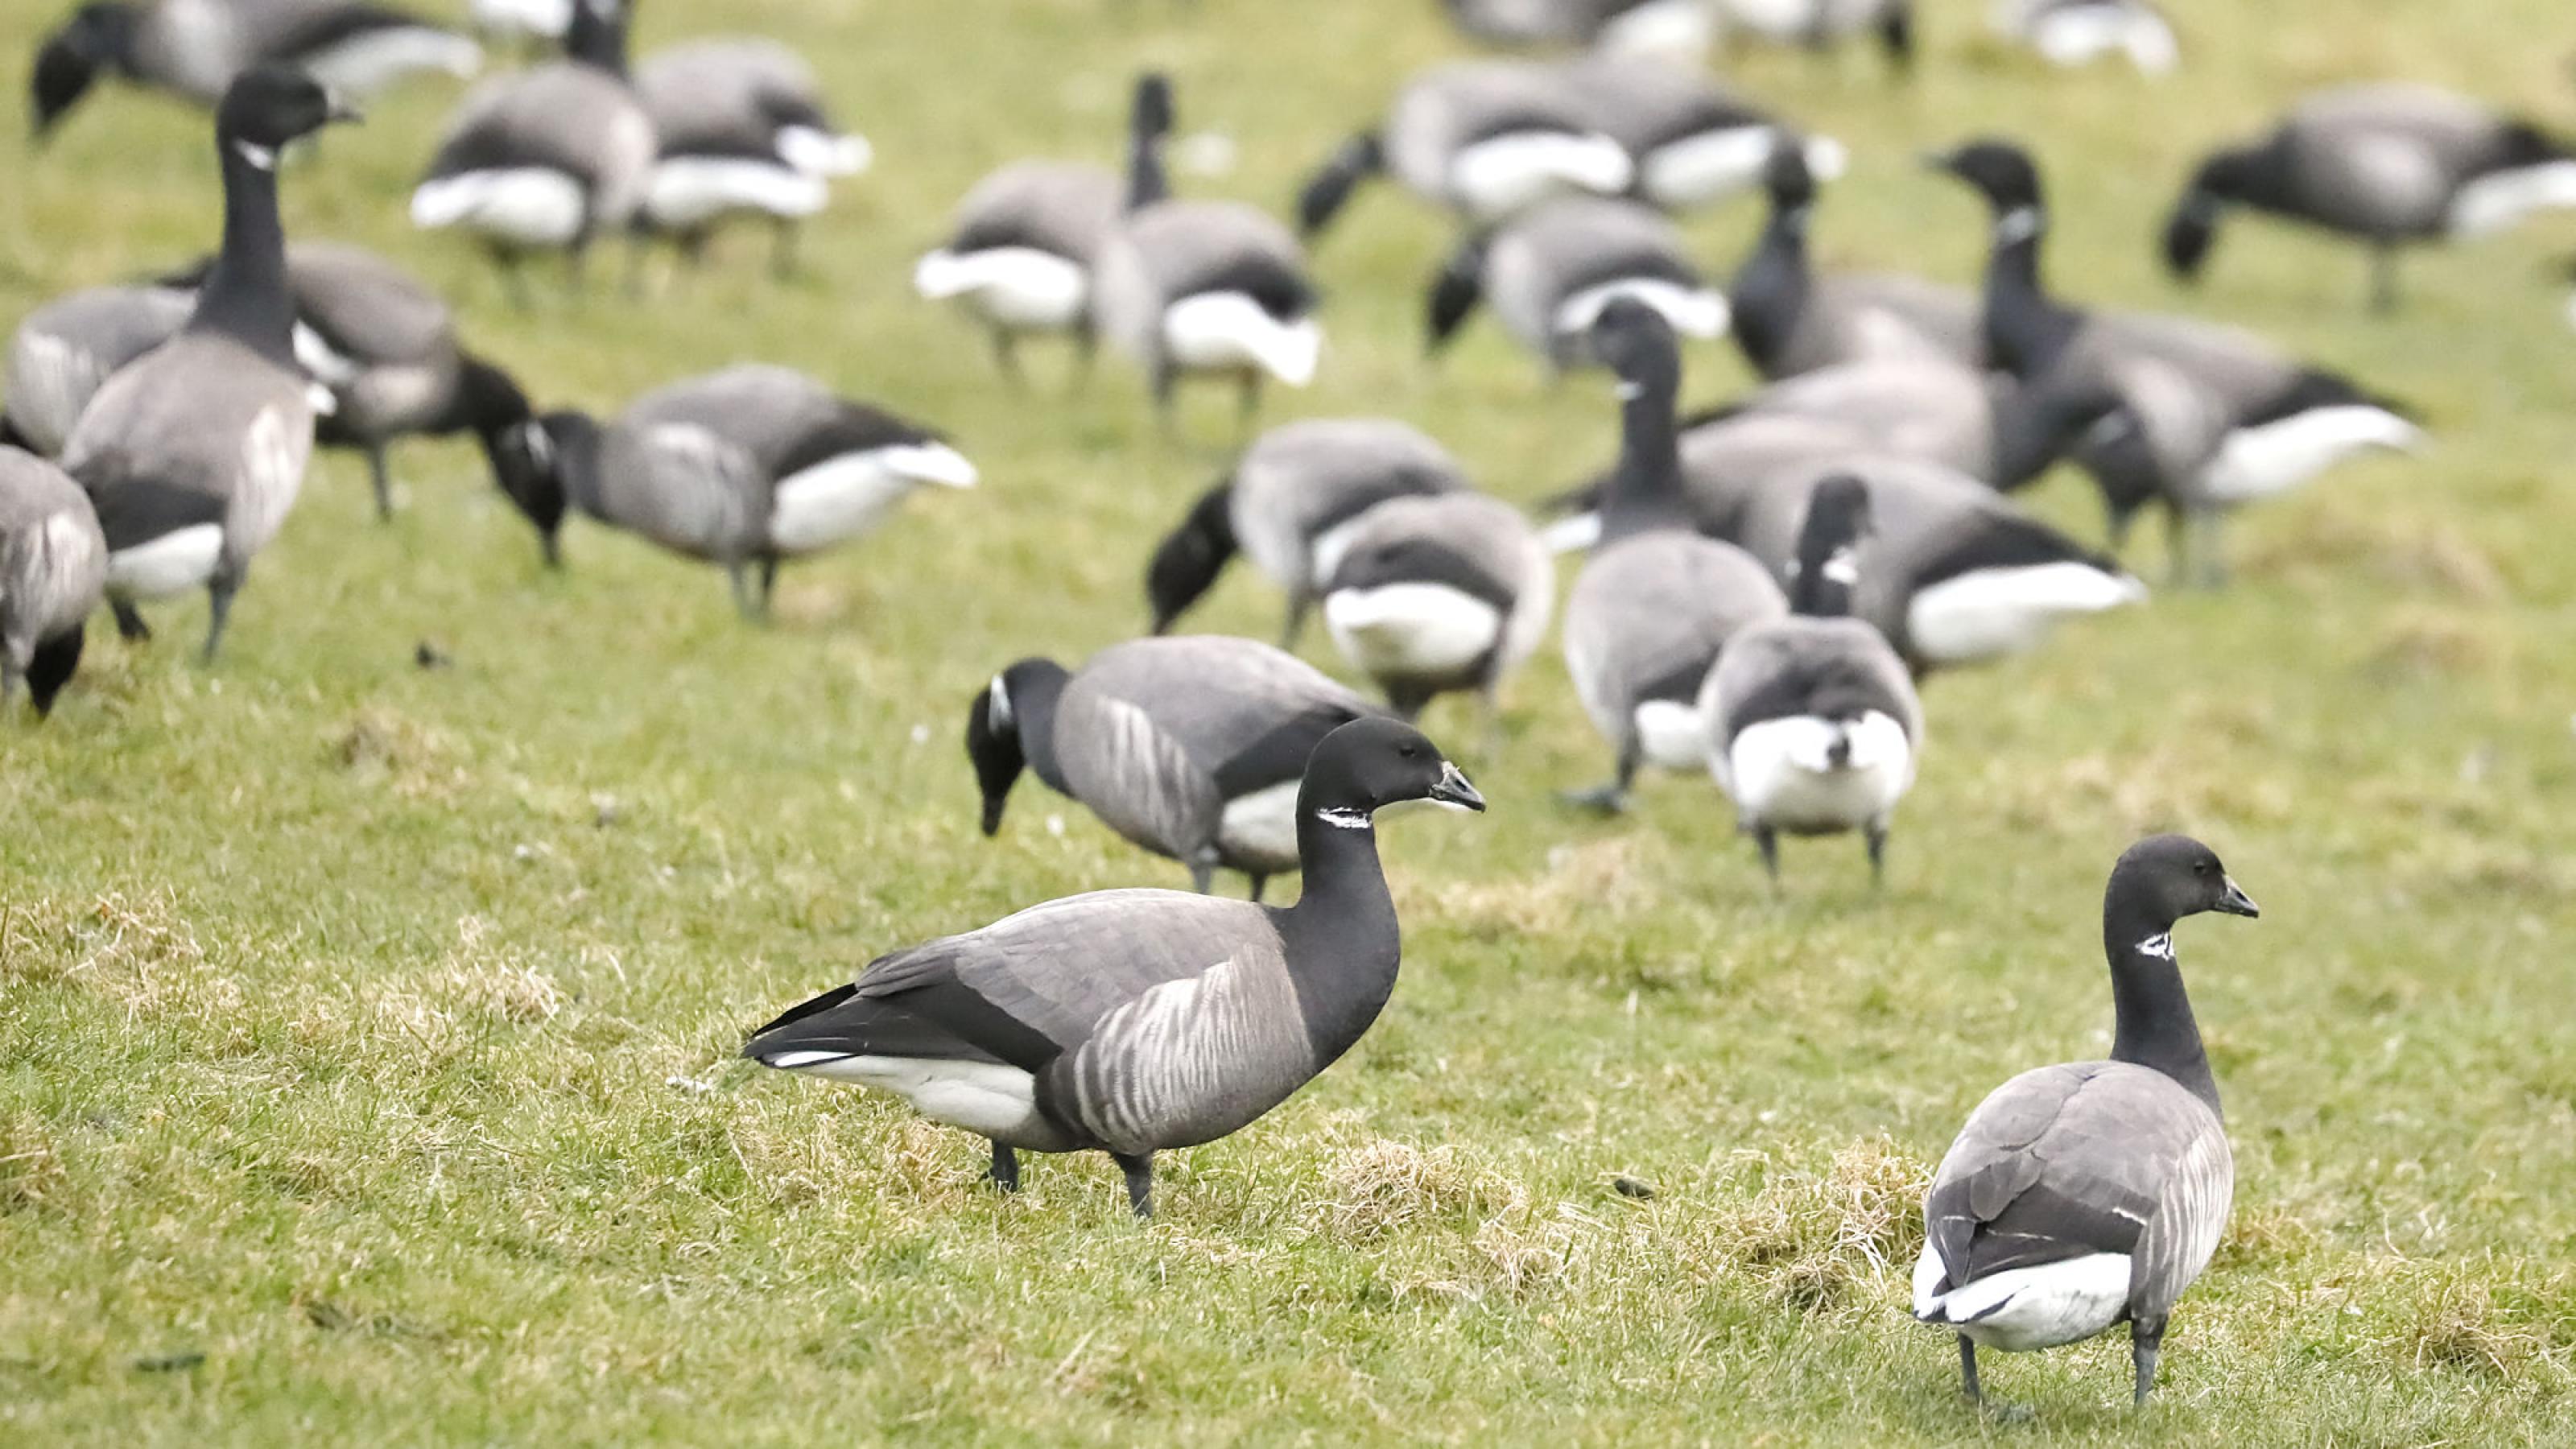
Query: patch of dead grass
pixel 1826 1240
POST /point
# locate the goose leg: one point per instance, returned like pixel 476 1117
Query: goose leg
pixel 219 593
pixel 1767 840
pixel 1203 876
pixel 1878 854
pixel 1612 798
pixel 1140 1180
pixel 1005 1171
pixel 1006 356
pixel 739 576
pixel 384 483
pixel 1086 356
pixel 768 582
pixel 2143 1346
pixel 1260 883
pixel 1299 601
pixel 129 621
pixel 2383 279
pixel 2178 545
pixel 1968 1370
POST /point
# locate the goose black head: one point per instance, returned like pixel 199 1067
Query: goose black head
pixel 1185 566
pixel 993 721
pixel 268 107
pixel 2164 878
pixel 1369 764
pixel 2192 228
pixel 1786 177
pixel 1152 114
pixel 597 34
pixel 97 38
pixel 1634 341
pixel 2000 171
pixel 51 667
pixel 531 460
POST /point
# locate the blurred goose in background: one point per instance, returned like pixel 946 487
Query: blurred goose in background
pixel 1210 288
pixel 1440 592
pixel 1191 747
pixel 1930 408
pixel 53 572
pixel 1549 274
pixel 1821 24
pixel 1136 1021
pixel 1789 319
pixel 1485 140
pixel 744 468
pixel 1678 31
pixel 1721 458
pixel 1290 505
pixel 2082 1196
pixel 66 349
pixel 1813 724
pixel 2387 165
pixel 742 131
pixel 194 453
pixel 194 48
pixel 2208 418
pixel 1656 601
pixel 2080 32
pixel 1027 239
pixel 529 22
pixel 548 159
pixel 1693 144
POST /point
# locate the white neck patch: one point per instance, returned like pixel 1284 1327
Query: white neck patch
pixel 2018 225
pixel 1346 819
pixel 1842 567
pixel 1629 391
pixel 258 156
pixel 2159 946
pixel 997 706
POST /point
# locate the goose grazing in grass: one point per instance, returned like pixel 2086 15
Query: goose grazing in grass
pixel 1549 274
pixel 1790 319
pixel 194 453
pixel 1656 601
pixel 1027 239
pixel 1138 1021
pixel 1693 144
pixel 2208 418
pixel 744 468
pixel 53 572
pixel 2091 1194
pixel 2079 32
pixel 65 351
pixel 1813 724
pixel 1928 408
pixel 1819 25
pixel 1440 592
pixel 2388 165
pixel 1290 506
pixel 549 159
pixel 1485 140
pixel 1191 747
pixel 194 49
pixel 1678 31
pixel 1213 288
pixel 743 131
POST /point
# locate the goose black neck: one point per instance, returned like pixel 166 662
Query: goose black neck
pixel 1146 181
pixel 2153 1025
pixel 1646 492
pixel 246 295
pixel 2024 326
pixel 597 39
pixel 1826 546
pixel 1771 288
pixel 2033 427
pixel 1033 702
pixel 1342 938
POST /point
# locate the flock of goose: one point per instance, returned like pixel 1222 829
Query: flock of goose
pixel 1765 585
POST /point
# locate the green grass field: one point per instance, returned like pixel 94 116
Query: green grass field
pixel 367 1034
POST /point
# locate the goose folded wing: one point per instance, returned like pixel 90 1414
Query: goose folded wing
pixel 365 310
pixel 1246 717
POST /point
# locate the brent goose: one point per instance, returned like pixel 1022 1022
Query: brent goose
pixel 1137 1021
pixel 1439 592
pixel 1790 319
pixel 2090 1194
pixel 2080 32
pixel 1548 274
pixel 53 569
pixel 1692 142
pixel 742 130
pixel 1191 747
pixel 195 452
pixel 1289 505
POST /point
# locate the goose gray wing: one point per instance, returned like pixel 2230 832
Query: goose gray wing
pixel 1928 408
pixel 53 559
pixel 365 308
pixel 1726 459
pixel 1301 481
pixel 200 430
pixel 728 97
pixel 1177 249
pixel 2067 1161
pixel 1566 246
pixel 685 486
pixel 563 117
pixel 1062 208
pixel 765 410
pixel 1873 315
pixel 66 349
pixel 1447 108
pixel 1648 615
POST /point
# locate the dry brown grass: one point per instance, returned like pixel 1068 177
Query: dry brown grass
pixel 1831 1239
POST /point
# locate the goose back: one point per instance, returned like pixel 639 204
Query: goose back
pixel 53 558
pixel 1548 274
pixel 66 349
pixel 546 158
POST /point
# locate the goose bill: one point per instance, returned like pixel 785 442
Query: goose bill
pixel 1453 791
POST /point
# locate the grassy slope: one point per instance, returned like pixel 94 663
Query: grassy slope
pixel 343 1044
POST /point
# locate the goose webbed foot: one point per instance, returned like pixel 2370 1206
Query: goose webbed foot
pixel 768 583
pixel 129 621
pixel 1139 1170
pixel 382 480
pixel 1004 1174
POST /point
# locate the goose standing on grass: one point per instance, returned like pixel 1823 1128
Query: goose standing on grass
pixel 1027 239
pixel 1789 319
pixel 1655 602
pixel 1549 274
pixel 2079 32
pixel 1814 726
pixel 1486 140
pixel 1137 1021
pixel 1290 506
pixel 1676 31
pixel 742 131
pixel 1819 25
pixel 194 453
pixel 2091 1194
pixel 1440 592
pixel 744 468
pixel 550 159
pixel 1693 144
pixel 65 351
pixel 1190 747
pixel 2388 165
pixel 53 571
pixel 1206 287
pixel 195 48
pixel 2213 417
